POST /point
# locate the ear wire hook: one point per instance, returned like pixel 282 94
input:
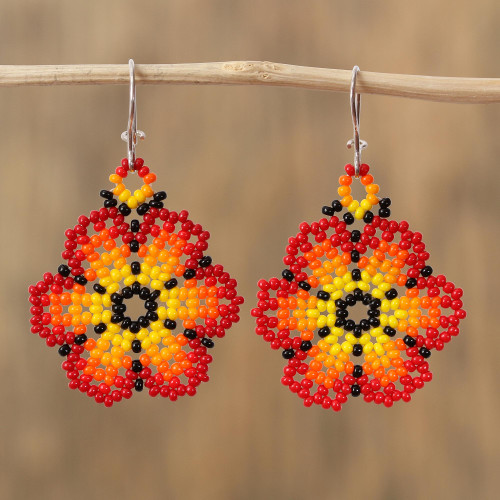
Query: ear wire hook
pixel 131 135
pixel 358 144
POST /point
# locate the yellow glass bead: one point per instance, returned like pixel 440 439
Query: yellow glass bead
pixel 364 286
pixel 368 347
pixel 113 328
pixel 105 282
pixel 377 280
pixel 400 314
pixel 155 273
pixel 126 270
pixel 139 196
pixel 336 295
pixel 331 339
pixel 126 345
pixel 128 335
pixel 143 279
pixel 113 288
pixel 378 349
pixel 365 338
pixel 115 275
pixel 95 309
pixel 376 332
pixel 383 318
pixel 162 313
pixel 156 284
pixel 366 205
pixel 330 288
pixel 336 348
pixel 347 347
pixel 129 280
pixel 172 313
pixel 377 293
pixel 116 340
pixel 330 320
pixel 164 277
pixel 321 305
pixel 351 286
pixel 106 316
pixel 383 339
pixel 321 322
pixel 351 338
pixel 132 202
pixel 142 334
pixel 163 295
pixel 96 319
pixel 124 195
pixel 359 213
pixel 156 325
pixel 393 322
pixel 353 205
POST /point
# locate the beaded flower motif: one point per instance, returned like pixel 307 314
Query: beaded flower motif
pixel 309 314
pixel 158 258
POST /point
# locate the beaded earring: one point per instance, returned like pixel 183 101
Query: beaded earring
pixel 159 258
pixel 332 268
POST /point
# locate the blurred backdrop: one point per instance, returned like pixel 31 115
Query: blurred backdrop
pixel 250 163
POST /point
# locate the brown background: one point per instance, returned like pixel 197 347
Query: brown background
pixel 250 163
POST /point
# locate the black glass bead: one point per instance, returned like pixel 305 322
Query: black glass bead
pixel 171 284
pixel 373 313
pixel 322 295
pixel 375 303
pixel 160 195
pixel 304 285
pixel 409 341
pixel 170 324
pixel 116 298
pixel 364 324
pixel 151 305
pixel 143 321
pixel 426 271
pixel 358 331
pixel 355 256
pixel 126 323
pixel 99 288
pixel 349 325
pixel 188 274
pixel 136 268
pixel 135 225
pixel 152 316
pixel 136 288
pixel 124 209
pixel 106 194
pixel 357 350
pixel 134 327
pixel 337 206
pixel 384 213
pixel 355 236
pixel 208 343
pixel 324 332
pixel 117 318
pixel 64 350
pixel 424 352
pixel 356 274
pixel 190 334
pixel 80 339
pixel 127 293
pixel 81 279
pixel 142 209
pixel 288 353
pixel 367 299
pixel 144 294
pixel 384 203
pixel 100 328
pixel 156 204
pixel 153 295
pixel 63 270
pixel 287 274
pixel 342 313
pixel 134 246
pixel 119 308
pixel 136 366
pixel 375 322
pixel 389 331
pixel 139 385
pixel 368 217
pixel 340 304
pixel 348 218
pixel 357 371
pixel 411 283
pixel 205 261
pixel 351 301
pixel 391 294
pixel 355 390
pixel 358 294
pixel 136 346
pixel 339 322
pixel 326 210
pixel 110 203
pixel 306 345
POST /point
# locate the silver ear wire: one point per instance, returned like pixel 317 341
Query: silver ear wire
pixel 131 135
pixel 358 144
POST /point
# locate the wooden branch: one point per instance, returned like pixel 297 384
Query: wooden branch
pixel 431 88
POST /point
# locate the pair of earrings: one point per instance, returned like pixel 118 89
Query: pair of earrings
pixel 134 247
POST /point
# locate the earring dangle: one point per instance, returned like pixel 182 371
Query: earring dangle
pixel 381 267
pixel 133 248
